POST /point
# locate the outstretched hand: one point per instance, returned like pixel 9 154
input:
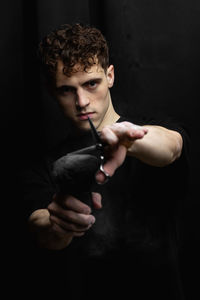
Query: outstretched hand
pixel 118 137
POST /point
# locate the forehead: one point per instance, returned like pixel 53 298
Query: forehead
pixel 79 74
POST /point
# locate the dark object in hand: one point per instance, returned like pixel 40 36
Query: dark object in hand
pixel 75 174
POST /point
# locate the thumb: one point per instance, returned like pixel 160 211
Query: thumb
pixel 117 157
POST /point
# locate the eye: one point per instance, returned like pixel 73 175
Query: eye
pixel 92 84
pixel 65 90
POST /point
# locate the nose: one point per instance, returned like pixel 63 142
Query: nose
pixel 82 99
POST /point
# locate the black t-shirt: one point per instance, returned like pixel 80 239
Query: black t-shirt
pixel 135 238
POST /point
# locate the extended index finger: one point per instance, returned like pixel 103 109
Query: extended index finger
pixel 123 133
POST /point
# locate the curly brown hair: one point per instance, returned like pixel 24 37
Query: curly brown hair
pixel 73 44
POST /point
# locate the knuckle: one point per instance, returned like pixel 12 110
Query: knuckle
pixel 68 201
pixel 85 220
pixel 87 210
pixel 69 215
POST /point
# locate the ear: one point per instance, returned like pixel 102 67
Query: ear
pixel 110 76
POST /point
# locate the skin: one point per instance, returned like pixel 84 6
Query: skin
pixel 86 93
pixel 89 93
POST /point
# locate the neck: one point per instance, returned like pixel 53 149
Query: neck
pixel 110 117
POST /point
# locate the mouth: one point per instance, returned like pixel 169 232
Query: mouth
pixel 84 116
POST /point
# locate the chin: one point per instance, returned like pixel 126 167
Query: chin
pixel 83 126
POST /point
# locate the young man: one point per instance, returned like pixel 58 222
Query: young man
pixel 133 218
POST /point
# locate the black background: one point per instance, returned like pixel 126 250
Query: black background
pixel 154 46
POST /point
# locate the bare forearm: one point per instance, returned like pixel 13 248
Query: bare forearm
pixel 45 236
pixel 159 147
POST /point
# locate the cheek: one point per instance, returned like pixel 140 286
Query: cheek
pixel 66 106
pixel 105 101
pixel 102 97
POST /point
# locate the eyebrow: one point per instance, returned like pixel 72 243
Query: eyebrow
pixel 97 79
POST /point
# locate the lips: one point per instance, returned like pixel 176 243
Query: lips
pixel 84 116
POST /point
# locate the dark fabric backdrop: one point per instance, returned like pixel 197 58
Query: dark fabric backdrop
pixel 155 48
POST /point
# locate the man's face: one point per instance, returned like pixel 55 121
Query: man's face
pixel 85 94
